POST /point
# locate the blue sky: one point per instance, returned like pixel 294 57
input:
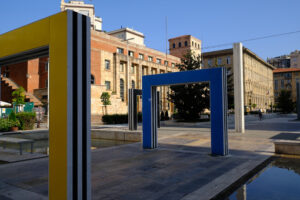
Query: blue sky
pixel 213 21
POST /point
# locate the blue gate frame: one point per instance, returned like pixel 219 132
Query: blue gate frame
pixel 217 79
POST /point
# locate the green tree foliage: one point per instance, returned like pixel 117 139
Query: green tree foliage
pixel 18 96
pixel 105 99
pixel 284 101
pixel 190 99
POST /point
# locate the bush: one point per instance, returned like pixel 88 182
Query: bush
pixel 7 124
pixel 118 118
pixel 167 115
pixel 162 116
pixel 115 119
pixel 12 116
pixel 26 119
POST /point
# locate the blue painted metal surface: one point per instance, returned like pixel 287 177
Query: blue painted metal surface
pixel 218 104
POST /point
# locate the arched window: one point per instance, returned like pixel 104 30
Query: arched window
pixel 185 43
pixel 179 44
pixel 174 45
pixel 122 89
pixel 132 84
pixel 92 80
pixel 192 43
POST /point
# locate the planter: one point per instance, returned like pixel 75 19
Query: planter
pixel 14 128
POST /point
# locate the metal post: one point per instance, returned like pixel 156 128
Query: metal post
pixel 132 108
pixel 158 109
pixel 155 115
pixel 298 100
pixel 238 76
pixel 0 91
pixel 0 85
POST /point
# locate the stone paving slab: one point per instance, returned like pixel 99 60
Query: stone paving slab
pixel 181 167
pixel 11 155
pixel 129 172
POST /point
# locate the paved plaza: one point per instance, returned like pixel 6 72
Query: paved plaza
pixel 181 168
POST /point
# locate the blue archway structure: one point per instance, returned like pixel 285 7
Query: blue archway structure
pixel 217 79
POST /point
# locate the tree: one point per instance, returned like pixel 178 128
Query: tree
pixel 190 99
pixel 18 97
pixel 284 101
pixel 105 99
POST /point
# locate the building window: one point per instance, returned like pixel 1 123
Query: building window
pixel 287 75
pixel 174 45
pixel 150 58
pixel 46 66
pixel 107 64
pixel 166 63
pixel 276 84
pixel 131 53
pixel 143 71
pixel 192 43
pixel 185 43
pixel 122 89
pixel 120 50
pixel 107 85
pixel 282 84
pixel 209 62
pixel 92 80
pixel 121 67
pixel 198 46
pixel 132 68
pixel 158 61
pixel 179 44
pixel 173 64
pixel 153 71
pixel 228 61
pixel 132 84
pixel 219 61
pixel 141 56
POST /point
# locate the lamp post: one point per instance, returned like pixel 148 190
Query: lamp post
pixel 128 63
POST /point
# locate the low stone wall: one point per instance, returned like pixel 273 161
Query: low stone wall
pixel 117 134
pixel 31 134
pixel 105 133
pixel 287 147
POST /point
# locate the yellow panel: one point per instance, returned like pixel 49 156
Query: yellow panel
pixel 58 107
pixel 25 38
pixel 51 32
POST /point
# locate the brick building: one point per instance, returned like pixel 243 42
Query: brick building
pixel 118 60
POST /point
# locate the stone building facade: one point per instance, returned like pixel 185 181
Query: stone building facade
pixel 295 59
pixel 179 46
pixel 286 79
pixel 258 75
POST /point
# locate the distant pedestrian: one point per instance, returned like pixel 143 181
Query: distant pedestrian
pixel 260 114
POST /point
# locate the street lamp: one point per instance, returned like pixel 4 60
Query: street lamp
pixel 128 63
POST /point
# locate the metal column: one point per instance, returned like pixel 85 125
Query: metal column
pixel 132 108
pixel 298 100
